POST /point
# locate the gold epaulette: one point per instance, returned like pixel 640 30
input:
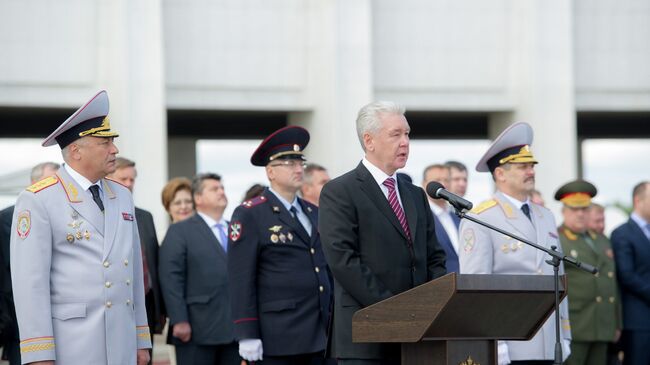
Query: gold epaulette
pixel 484 206
pixel 45 183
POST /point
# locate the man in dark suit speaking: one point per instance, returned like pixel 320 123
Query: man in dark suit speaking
pixel 377 231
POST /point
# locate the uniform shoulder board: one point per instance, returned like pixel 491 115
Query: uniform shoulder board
pixel 484 206
pixel 255 201
pixel 45 183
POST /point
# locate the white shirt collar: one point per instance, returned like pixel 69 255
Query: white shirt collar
pixel 639 220
pixel 284 202
pixel 437 210
pixel 80 179
pixel 211 222
pixel 517 203
pixel 377 173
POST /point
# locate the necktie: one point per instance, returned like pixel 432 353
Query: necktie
pixel 294 214
pixel 526 209
pixel 394 204
pixel 223 239
pixel 145 272
pixel 94 190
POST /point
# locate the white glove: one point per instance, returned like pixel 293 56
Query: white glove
pixel 502 350
pixel 566 348
pixel 250 349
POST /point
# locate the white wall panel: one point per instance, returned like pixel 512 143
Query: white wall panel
pixel 612 54
pixel 236 53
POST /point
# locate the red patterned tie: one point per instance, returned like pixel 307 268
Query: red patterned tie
pixel 394 203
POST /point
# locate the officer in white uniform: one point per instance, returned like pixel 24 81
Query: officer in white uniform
pixel 483 251
pixel 76 262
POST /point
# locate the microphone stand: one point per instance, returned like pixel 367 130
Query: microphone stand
pixel 556 259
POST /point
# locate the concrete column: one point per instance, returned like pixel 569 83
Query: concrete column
pixel 339 80
pixel 131 68
pixel 182 157
pixel 543 89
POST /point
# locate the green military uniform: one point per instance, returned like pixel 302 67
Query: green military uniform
pixel 593 298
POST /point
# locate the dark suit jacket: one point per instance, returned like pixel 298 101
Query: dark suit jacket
pixel 149 243
pixel 445 242
pixel 8 322
pixel 280 285
pixel 366 249
pixel 194 281
pixel 632 254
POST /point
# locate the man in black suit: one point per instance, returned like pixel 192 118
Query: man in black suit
pixel 9 339
pixel 194 278
pixel 125 174
pixel 377 230
pixel 280 284
pixel 631 245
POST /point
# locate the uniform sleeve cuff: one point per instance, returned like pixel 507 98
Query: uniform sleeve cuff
pixel 144 338
pixel 37 349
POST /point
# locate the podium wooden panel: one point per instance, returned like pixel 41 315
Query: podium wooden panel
pixel 454 318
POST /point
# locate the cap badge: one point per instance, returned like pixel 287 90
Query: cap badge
pixel 296 148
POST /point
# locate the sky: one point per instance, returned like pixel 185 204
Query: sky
pixel 614 166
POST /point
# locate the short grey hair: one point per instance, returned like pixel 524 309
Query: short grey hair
pixel 37 171
pixel 368 119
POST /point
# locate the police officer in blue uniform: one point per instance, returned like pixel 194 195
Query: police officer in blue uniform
pixel 279 281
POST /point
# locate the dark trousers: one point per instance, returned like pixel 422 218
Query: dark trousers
pixel 315 358
pixel 11 351
pixel 532 362
pixel 636 347
pixel 191 354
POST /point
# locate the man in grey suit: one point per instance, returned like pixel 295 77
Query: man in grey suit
pixel 9 330
pixel 76 261
pixel 483 251
pixel 377 230
pixel 194 278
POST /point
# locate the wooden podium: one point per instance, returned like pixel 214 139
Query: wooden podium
pixel 457 319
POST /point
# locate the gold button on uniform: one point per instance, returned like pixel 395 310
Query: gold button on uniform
pixel 128 281
pixel 128 302
pixel 597 274
pixel 109 304
pixel 611 299
pixel 126 262
pixel 106 264
pixel 610 274
pixel 599 299
pixel 108 284
pixel 321 288
pixel 316 269
pixel 312 250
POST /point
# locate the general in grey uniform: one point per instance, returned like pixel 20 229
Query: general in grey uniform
pixel 76 261
pixel 483 251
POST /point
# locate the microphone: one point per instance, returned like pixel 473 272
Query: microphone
pixel 437 191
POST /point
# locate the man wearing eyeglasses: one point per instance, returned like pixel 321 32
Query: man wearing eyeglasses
pixel 279 281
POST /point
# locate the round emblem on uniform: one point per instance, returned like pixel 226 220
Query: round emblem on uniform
pixel 23 224
pixel 235 231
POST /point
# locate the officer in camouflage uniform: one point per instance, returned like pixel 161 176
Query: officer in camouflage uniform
pixel 593 299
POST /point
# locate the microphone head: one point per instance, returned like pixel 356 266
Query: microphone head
pixel 432 189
